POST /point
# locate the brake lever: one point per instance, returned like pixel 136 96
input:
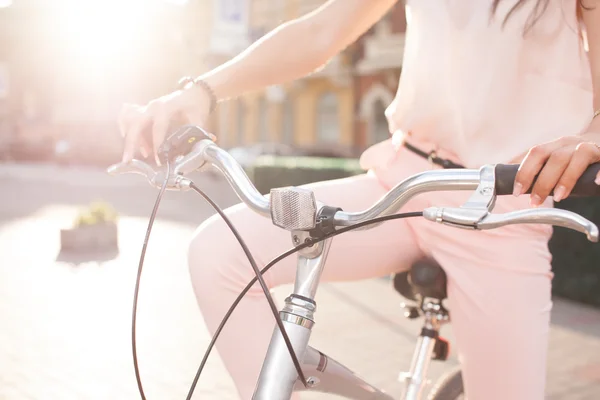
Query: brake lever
pixel 134 166
pixel 476 213
pixel 462 218
pixel 552 216
pixel 155 178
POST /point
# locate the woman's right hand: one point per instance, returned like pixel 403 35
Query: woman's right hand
pixel 145 127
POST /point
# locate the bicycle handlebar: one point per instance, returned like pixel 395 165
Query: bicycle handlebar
pixel 297 209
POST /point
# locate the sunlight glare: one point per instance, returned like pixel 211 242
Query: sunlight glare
pixel 98 32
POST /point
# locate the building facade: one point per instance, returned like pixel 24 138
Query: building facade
pixel 339 108
pixel 376 74
pixel 67 67
pixel 59 84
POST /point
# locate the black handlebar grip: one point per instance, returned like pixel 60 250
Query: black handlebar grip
pixel 585 186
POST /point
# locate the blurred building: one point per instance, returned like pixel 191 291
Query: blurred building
pixel 67 66
pixel 376 72
pixel 339 108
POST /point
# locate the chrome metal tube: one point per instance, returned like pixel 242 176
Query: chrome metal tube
pixel 391 202
pixel 238 179
pixel 329 376
pixel 428 181
pixel 278 374
pixel 416 380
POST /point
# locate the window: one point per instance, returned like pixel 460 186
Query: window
pixel 241 121
pixel 231 10
pixel 372 112
pixel 380 123
pixel 263 126
pixel 327 118
pixel 224 110
pixel 288 121
pixel 4 80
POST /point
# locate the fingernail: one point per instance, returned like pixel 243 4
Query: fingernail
pixel 597 181
pixel 559 193
pixel 535 200
pixel 517 189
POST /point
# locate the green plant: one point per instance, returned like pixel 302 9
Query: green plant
pixel 96 213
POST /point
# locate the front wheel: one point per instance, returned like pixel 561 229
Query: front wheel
pixel 449 387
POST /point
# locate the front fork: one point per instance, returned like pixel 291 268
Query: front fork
pixel 278 374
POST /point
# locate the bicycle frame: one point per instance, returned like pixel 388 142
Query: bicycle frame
pixel 278 377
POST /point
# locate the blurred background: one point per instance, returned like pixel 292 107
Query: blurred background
pixel 67 66
pixel 71 236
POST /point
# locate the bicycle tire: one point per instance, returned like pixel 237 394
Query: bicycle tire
pixel 449 387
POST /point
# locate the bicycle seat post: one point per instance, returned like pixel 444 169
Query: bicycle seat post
pixel 427 281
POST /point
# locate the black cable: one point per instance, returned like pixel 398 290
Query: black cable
pixel 260 278
pixel 307 243
pixel 137 283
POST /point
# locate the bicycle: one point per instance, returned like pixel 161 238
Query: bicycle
pixel 290 363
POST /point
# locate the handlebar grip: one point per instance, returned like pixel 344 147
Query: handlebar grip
pixel 585 186
pixel 181 142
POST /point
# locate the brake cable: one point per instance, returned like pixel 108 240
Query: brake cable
pixel 258 277
pixel 166 149
pixel 309 242
pixel 138 279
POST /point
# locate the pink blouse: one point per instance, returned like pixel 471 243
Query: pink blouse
pixel 487 93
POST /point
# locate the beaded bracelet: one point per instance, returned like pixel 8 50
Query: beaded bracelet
pixel 187 80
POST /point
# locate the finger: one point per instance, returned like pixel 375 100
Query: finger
pixel 533 163
pixel 127 115
pixel 145 148
pixel 551 172
pixel 584 155
pixel 159 130
pixel 132 137
pixel 122 120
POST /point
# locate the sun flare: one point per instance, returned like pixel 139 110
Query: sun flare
pixel 98 32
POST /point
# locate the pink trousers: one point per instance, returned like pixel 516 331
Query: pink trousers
pixel 498 281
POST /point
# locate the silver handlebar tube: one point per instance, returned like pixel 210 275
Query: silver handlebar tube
pixel 207 152
pixel 238 179
pixel 397 197
pixel 391 202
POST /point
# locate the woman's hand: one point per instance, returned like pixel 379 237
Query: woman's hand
pixel 145 127
pixel 559 164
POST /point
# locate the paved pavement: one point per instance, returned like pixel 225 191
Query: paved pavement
pixel 66 328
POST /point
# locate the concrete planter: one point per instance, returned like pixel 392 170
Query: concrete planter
pixel 102 237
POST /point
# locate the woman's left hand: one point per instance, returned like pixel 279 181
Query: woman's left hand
pixel 559 164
